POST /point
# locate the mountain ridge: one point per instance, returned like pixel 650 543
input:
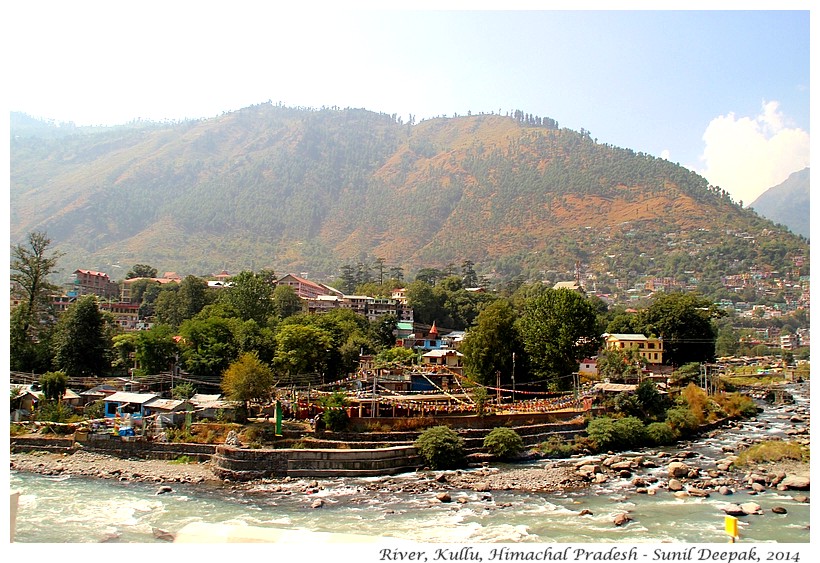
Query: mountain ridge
pixel 309 190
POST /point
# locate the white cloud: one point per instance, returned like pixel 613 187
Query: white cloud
pixel 665 154
pixel 748 155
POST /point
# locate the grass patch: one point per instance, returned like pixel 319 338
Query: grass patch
pixel 772 450
pixel 183 459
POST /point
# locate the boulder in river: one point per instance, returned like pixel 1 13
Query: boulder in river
pixel 794 482
pixel 733 510
pixel 162 534
pixel 751 508
pixel 621 519
pixel 678 469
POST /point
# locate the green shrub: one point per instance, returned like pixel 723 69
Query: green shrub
pixel 441 448
pixel 335 415
pixel 630 432
pixel 504 443
pixel 179 435
pixel 555 448
pixel 601 430
pixel 336 419
pixel 621 433
pixel 660 433
pixel 682 420
pixel 54 411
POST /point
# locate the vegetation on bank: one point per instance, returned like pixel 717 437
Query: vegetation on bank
pixel 648 418
pixel 441 448
pixel 773 451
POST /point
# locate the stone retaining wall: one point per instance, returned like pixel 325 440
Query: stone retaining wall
pixel 531 435
pixel 242 464
pixel 333 454
pixel 116 446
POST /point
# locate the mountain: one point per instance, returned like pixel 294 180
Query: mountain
pixel 788 203
pixel 308 190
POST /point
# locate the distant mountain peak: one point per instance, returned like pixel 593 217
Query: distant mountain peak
pixel 788 203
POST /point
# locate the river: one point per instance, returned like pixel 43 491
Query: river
pixel 75 510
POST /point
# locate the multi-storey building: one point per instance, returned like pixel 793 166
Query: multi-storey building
pixel 649 348
pixel 89 282
pixel 304 288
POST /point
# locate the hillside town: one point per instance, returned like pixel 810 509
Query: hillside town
pixel 759 294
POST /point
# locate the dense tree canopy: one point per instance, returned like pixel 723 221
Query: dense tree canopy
pixel 489 346
pixel 559 329
pixel 141 271
pixel 208 345
pixel 685 322
pixel 81 342
pixel 250 297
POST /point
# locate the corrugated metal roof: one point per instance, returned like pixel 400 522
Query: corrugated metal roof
pixel 199 398
pixel 165 404
pixel 614 387
pixel 126 397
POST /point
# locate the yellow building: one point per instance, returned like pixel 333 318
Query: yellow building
pixel 649 348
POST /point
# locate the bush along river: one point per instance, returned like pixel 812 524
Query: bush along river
pixel 675 494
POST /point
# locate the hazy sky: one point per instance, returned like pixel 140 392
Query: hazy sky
pixel 725 93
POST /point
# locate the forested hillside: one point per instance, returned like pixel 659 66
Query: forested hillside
pixel 311 190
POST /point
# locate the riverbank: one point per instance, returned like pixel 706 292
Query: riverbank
pixel 687 469
pixel 648 472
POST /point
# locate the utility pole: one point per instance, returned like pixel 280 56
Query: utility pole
pixel 373 403
pixel 513 377
pixel 498 387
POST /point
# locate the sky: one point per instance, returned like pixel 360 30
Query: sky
pixel 724 93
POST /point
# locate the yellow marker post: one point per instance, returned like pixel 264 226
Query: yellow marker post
pixel 730 526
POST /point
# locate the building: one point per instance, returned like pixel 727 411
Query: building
pixel 304 288
pixel 789 341
pixel 649 348
pixel 571 285
pixel 125 288
pixel 124 403
pixel 588 366
pixel 126 315
pixel 450 359
pixel 89 282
